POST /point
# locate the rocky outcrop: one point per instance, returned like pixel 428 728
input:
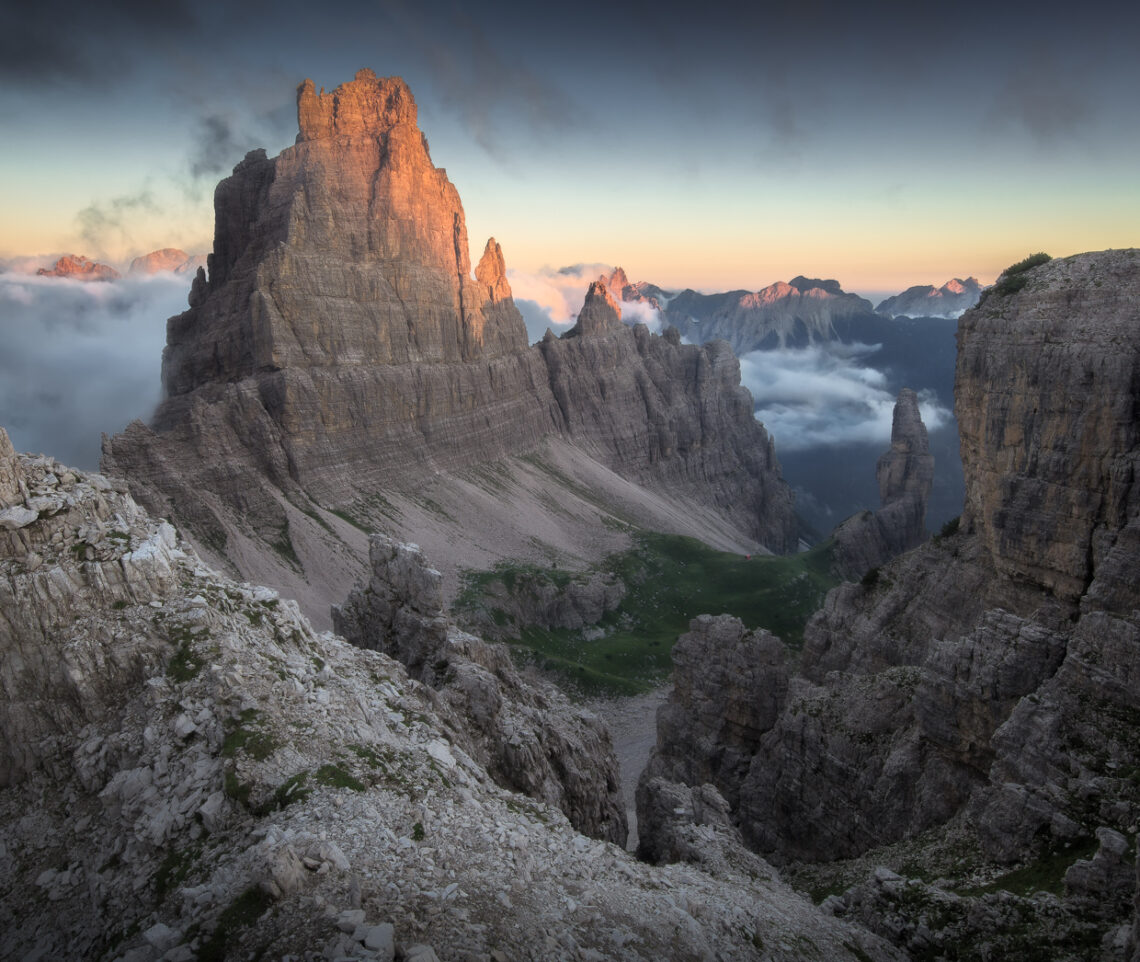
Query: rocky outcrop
pixel 983 684
pixel 905 473
pixel 190 771
pixel 925 300
pixel 340 357
pixel 526 733
pixel 79 268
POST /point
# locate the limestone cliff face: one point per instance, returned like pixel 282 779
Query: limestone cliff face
pixel 1047 412
pixel 987 678
pixel 341 348
pixel 905 473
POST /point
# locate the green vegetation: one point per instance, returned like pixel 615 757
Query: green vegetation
pixel 246 909
pixel 1013 278
pixel 670 579
pixel 284 547
pixel 950 528
pixel 257 744
pixel 175 868
pixel 336 777
pixel 184 664
pixel 1046 874
pixel 418 832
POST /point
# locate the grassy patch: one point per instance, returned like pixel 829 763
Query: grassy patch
pixel 284 547
pixel 246 909
pixel 174 869
pixel 670 579
pixel 1046 874
pixel 184 664
pixel 336 777
pixel 242 737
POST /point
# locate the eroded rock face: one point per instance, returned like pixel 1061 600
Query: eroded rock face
pixel 1046 399
pixel 525 732
pixel 182 751
pixel 340 348
pixel 986 681
pixel 905 473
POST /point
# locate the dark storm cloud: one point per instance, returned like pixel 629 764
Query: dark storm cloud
pixel 72 42
pixel 80 359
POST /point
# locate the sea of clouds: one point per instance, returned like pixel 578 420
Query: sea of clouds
pixel 828 394
pixel 81 358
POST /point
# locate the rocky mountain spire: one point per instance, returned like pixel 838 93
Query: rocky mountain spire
pixel 905 473
pixel 600 313
pixel 340 348
pixel 906 470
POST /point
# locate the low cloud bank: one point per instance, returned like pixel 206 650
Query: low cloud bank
pixel 552 299
pixel 826 395
pixel 81 358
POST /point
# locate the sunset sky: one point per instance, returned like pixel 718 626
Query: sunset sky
pixel 713 146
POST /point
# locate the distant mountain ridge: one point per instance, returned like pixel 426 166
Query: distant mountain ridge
pixel 925 300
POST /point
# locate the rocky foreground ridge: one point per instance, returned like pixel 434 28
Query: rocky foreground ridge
pixel 191 772
pixel 340 369
pixel 972 709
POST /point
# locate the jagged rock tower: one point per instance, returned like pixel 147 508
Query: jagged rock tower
pixel 340 361
pixel 905 473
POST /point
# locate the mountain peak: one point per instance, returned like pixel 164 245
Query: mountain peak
pixel 366 104
pixel 600 313
pixel 491 272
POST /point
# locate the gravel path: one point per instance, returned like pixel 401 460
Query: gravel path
pixel 633 725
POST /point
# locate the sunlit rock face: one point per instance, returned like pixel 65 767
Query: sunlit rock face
pixel 339 347
pixel 79 268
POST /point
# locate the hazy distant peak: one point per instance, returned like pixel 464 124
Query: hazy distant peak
pixel 926 300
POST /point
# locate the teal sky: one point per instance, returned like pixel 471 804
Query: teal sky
pixel 724 147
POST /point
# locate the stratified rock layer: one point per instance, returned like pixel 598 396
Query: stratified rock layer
pixel 905 473
pixel 987 680
pixel 340 348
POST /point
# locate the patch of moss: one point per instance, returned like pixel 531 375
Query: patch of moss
pixel 242 737
pixel 336 777
pixel 246 909
pixel 184 664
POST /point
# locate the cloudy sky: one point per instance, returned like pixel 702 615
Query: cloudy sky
pixel 714 146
